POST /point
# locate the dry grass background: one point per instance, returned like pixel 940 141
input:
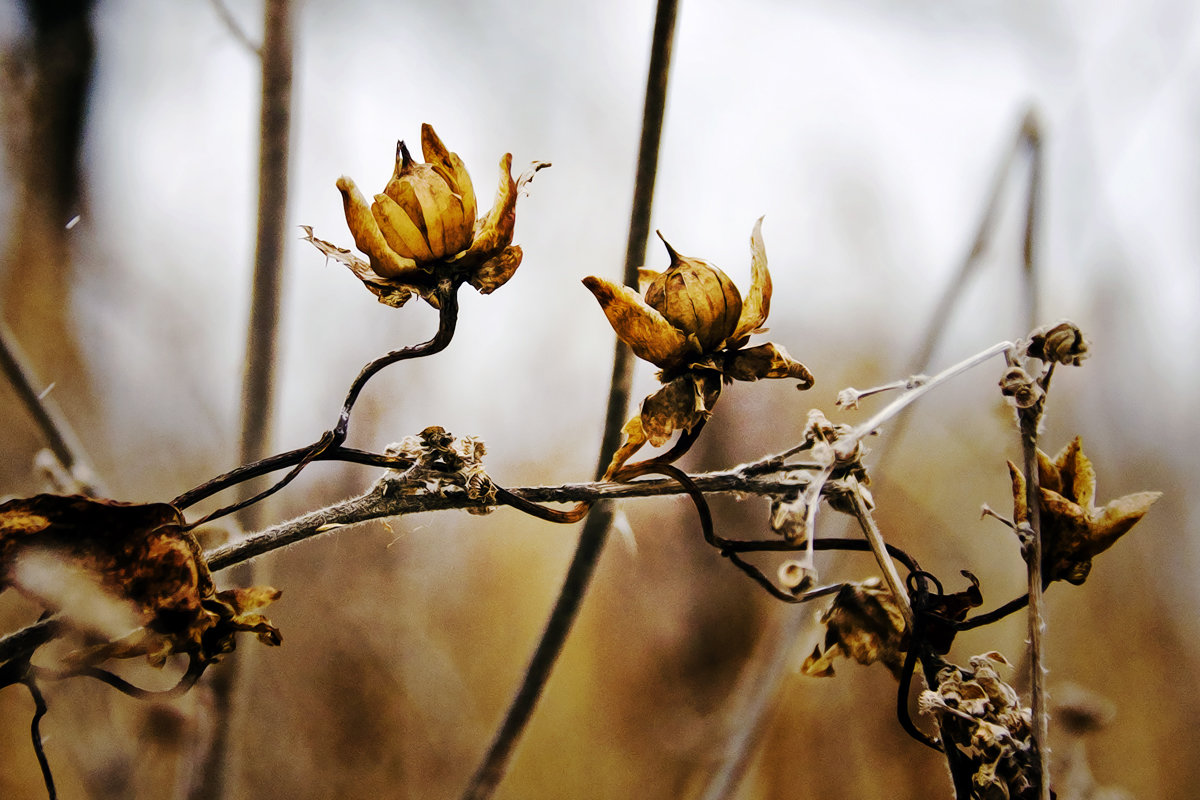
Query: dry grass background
pixel 404 642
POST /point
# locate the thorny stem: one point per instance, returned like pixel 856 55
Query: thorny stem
pixel 329 445
pixel 491 769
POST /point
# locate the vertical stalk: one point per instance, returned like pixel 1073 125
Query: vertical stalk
pixel 275 123
pixel 217 776
pixel 595 527
pixel 1037 612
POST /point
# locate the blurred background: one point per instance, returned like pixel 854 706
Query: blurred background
pixel 867 132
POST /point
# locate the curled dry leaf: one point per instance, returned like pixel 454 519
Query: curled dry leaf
pixel 1074 531
pixel 863 623
pixel 142 559
pixel 942 611
pixel 692 323
pixel 424 228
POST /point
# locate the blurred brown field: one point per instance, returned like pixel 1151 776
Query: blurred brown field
pixel 854 131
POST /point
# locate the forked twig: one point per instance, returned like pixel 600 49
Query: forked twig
pixel 328 447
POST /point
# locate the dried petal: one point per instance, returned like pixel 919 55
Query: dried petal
pixel 1074 531
pixel 644 329
pixel 392 294
pixel 400 231
pixel 495 272
pixel 766 361
pixel 679 405
pixel 757 302
pixel 368 237
pixel 864 623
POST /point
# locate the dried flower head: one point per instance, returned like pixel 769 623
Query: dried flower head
pixel 424 228
pixel 981 717
pixel 693 324
pixel 1074 531
pixel 1020 388
pixel 138 558
pixel 439 462
pixel 1063 344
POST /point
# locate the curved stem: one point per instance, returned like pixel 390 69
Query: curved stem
pixel 186 681
pixel 331 441
pixel 35 733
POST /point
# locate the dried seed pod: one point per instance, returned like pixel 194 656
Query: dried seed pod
pixel 1021 388
pixel 1063 343
pixel 423 228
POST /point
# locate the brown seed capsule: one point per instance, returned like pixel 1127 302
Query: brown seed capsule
pixel 1064 343
pixel 425 227
pixel 1023 390
pixel 697 298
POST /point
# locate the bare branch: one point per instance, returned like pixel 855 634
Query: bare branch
pixel 383 500
pixel 235 28
pixel 60 439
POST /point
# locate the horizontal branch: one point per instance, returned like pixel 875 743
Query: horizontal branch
pixel 387 499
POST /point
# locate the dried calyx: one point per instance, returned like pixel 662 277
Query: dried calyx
pixel 424 229
pixel 1073 530
pixel 693 324
pixel 136 562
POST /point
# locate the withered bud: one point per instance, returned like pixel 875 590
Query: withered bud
pixel 1018 385
pixel 789 517
pixel 796 576
pixel 1064 343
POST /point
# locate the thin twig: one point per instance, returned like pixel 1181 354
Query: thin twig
pixel 491 770
pixel 879 548
pixel 235 28
pixel 912 395
pixel 35 733
pixel 383 501
pixel 328 447
pixel 60 439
